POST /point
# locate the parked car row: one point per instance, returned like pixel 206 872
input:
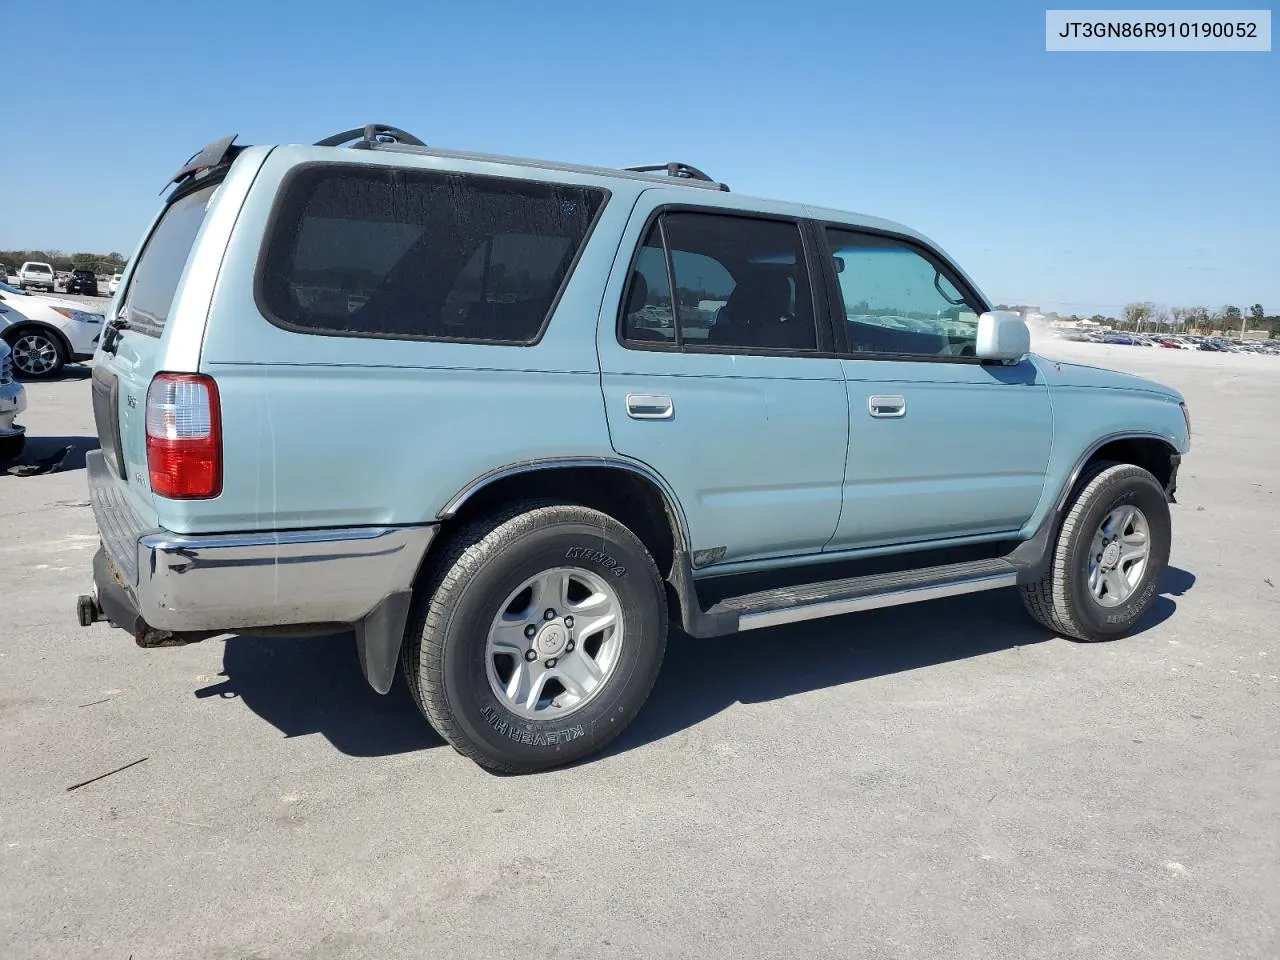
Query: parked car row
pixel 35 275
pixel 1171 341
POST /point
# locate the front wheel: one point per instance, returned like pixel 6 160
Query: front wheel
pixel 537 636
pixel 1111 553
pixel 37 355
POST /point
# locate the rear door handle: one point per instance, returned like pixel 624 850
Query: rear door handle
pixel 887 407
pixel 649 406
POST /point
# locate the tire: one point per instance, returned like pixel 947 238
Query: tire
pixel 1069 599
pixel 449 656
pixel 37 353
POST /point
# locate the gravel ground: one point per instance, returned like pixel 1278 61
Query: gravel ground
pixel 938 781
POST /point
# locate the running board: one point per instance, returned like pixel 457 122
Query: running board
pixel 771 608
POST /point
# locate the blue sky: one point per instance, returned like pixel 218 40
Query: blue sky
pixel 1075 181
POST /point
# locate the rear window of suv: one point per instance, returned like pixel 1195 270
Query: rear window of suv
pixel 367 251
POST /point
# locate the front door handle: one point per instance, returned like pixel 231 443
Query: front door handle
pixel 886 407
pixel 648 406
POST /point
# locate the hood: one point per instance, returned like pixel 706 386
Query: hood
pixel 65 304
pixel 1063 373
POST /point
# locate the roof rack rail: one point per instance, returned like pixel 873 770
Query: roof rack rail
pixel 683 171
pixel 371 133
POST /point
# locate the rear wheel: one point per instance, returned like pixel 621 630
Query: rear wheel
pixel 37 354
pixel 1111 553
pixel 537 637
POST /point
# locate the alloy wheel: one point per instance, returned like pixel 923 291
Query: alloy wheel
pixel 35 354
pixel 554 644
pixel 1118 555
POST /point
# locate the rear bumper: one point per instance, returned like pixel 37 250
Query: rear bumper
pixel 229 582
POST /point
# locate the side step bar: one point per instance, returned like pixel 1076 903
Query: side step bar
pixel 770 608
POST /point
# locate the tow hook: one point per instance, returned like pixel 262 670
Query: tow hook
pixel 88 610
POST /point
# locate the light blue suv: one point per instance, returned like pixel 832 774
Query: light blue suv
pixel 507 420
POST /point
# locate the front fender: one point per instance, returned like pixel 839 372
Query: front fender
pixel 1086 417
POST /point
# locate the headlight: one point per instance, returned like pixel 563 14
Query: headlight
pixel 81 315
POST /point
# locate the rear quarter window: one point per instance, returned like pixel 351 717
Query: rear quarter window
pixel 366 251
pixel 155 278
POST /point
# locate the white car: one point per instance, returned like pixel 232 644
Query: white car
pixel 35 274
pixel 113 284
pixel 13 400
pixel 46 333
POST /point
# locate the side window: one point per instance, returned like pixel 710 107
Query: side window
pixel 898 301
pixel 647 315
pixel 738 282
pixel 418 254
pixel 506 268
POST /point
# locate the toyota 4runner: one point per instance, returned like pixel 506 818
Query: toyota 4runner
pixel 507 420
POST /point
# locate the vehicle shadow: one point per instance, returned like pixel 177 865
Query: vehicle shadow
pixel 68 374
pixel 700 678
pixel 51 455
pixel 314 686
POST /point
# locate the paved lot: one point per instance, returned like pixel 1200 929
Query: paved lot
pixel 943 781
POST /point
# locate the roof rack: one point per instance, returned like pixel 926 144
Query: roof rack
pixel 381 136
pixel 371 133
pixel 683 171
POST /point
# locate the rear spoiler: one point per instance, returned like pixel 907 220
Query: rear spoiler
pixel 220 151
pixel 223 150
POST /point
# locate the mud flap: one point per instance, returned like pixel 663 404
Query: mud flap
pixel 1171 489
pixel 378 639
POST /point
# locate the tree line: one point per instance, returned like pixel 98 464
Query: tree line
pixel 1153 318
pixel 1230 319
pixel 98 262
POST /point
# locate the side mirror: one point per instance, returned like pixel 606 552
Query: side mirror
pixel 1003 336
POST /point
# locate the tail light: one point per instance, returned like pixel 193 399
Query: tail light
pixel 184 436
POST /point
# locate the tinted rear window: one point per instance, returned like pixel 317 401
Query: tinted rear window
pixel 39 268
pixel 155 278
pixel 370 251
